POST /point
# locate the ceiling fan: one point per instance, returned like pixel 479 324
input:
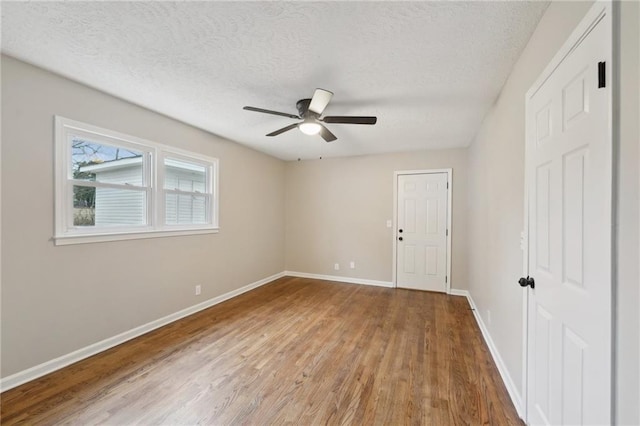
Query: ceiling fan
pixel 310 111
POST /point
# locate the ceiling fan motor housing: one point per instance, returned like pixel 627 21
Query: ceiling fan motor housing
pixel 303 108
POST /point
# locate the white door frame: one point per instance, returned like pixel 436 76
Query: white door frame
pixel 394 240
pixel 602 9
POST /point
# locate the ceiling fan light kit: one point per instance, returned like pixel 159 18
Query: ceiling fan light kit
pixel 310 111
pixel 309 127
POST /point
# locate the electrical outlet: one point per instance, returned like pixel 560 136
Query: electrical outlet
pixel 336 266
pixel 352 265
pixel 198 290
pixel 489 316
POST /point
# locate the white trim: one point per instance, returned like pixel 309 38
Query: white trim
pixel 495 354
pixel 1 211
pixel 638 159
pixel 449 172
pixel 348 280
pixel 449 225
pixel 40 370
pixel 525 264
pixel 600 10
pixel 459 292
pixel 121 236
pixel 394 233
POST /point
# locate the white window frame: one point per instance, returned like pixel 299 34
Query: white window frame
pixel 153 185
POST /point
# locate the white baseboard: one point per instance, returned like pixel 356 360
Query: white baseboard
pixel 502 368
pixel 349 280
pixel 457 292
pixel 60 362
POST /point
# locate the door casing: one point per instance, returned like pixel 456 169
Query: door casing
pixel 449 173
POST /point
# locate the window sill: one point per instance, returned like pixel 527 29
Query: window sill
pixel 122 236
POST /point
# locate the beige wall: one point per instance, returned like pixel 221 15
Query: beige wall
pixel 59 299
pixel 496 193
pixel 337 211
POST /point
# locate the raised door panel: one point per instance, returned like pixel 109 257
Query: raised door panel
pixel 573 354
pixel 573 218
pixel 409 223
pixel 409 264
pixel 431 261
pixel 542 379
pixel 543 217
pixel 575 100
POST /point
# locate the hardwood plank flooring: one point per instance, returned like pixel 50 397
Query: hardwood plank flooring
pixel 296 351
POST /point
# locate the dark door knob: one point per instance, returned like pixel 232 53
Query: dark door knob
pixel 400 238
pixel 400 230
pixel 529 281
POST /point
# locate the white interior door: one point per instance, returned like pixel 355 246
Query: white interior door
pixel 569 163
pixel 421 240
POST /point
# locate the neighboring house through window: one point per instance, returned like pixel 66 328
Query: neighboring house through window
pixel 111 186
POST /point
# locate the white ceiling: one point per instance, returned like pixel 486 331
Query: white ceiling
pixel 428 70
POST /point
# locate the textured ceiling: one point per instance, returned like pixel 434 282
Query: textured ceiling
pixel 428 70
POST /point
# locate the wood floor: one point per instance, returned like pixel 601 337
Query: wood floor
pixel 295 351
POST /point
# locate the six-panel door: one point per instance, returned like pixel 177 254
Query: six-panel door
pixel 569 311
pixel 421 240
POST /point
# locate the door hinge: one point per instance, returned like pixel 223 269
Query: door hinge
pixel 446 279
pixel 602 74
pixel 447 185
pixel 447 232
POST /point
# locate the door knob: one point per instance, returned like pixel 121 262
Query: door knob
pixel 400 230
pixel 529 281
pixel 400 238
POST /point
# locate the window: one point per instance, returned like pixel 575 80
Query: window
pixel 111 186
pixel 186 192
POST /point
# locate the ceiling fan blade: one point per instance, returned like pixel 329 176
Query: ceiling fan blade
pixel 326 134
pixel 268 111
pixel 320 100
pixel 284 129
pixel 343 119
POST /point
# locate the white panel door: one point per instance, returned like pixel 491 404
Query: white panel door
pixel 421 240
pixel 569 157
